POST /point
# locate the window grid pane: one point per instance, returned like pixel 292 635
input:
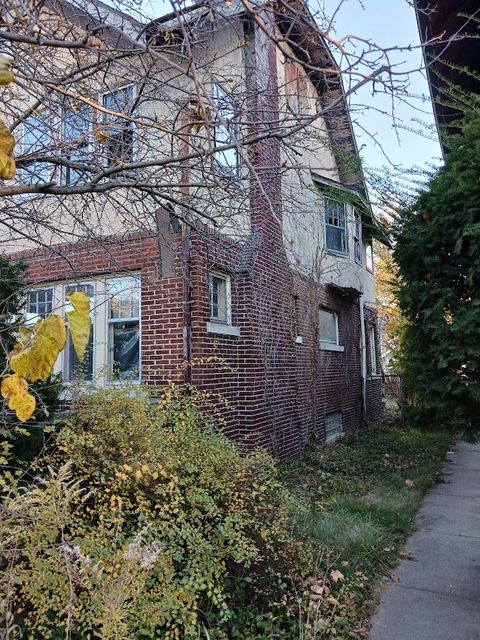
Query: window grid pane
pixel 123 329
pixel 335 225
pixel 218 298
pixel 225 130
pixel 119 146
pixel 73 368
pixel 39 304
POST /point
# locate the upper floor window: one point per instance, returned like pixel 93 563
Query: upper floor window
pixel 357 236
pixel 335 226
pixel 119 143
pixel 369 256
pixel 225 132
pixel 77 125
pixel 36 140
pixel 220 297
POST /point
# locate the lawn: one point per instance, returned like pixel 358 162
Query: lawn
pixel 355 503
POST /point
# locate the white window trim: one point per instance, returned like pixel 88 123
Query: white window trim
pixel 357 239
pixel 340 254
pixel 374 369
pixel 369 243
pixel 108 380
pixel 331 346
pixel 93 313
pixel 100 321
pixel 228 293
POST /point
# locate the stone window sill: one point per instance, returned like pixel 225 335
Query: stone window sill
pixel 223 329
pixel 328 346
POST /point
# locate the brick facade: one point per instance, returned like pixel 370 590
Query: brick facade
pixel 279 387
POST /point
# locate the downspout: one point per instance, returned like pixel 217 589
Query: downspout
pixel 186 264
pixel 363 356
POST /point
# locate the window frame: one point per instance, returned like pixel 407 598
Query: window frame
pixel 27 303
pixel 110 380
pixel 223 168
pixel 23 175
pixel 329 439
pixel 372 345
pixel 100 373
pixel 89 145
pixel 101 123
pixel 215 273
pixel 357 236
pixel 369 264
pixel 65 355
pixel 327 345
pixel 326 224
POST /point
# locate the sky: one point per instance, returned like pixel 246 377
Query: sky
pixel 393 133
pixel 389 23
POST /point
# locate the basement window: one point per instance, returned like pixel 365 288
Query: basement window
pixel 333 426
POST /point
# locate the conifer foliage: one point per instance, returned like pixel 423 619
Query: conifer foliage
pixel 438 256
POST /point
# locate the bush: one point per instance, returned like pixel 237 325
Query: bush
pixel 144 522
pixel 438 255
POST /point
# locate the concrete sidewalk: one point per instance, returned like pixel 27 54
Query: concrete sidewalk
pixel 437 596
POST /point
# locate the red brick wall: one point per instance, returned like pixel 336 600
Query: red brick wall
pixel 161 299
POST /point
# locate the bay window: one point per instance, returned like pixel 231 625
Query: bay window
pixel 113 351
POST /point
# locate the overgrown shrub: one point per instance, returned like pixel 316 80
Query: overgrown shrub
pixel 438 255
pixel 143 521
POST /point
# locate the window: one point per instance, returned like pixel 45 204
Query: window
pixel 113 351
pixel 369 256
pixel 73 369
pixel 328 327
pixel 357 236
pixel 335 226
pixel 119 145
pixel 333 426
pixel 220 297
pixel 225 162
pixel 76 131
pixel 36 139
pixel 372 343
pixel 39 305
pixel 123 296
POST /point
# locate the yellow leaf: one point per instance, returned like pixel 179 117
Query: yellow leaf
pixel 79 322
pixel 7 145
pixel 101 136
pixel 34 356
pixel 6 76
pixel 15 390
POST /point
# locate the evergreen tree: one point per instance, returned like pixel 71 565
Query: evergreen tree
pixel 438 256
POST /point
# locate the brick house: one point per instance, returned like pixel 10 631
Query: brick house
pixel 276 313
